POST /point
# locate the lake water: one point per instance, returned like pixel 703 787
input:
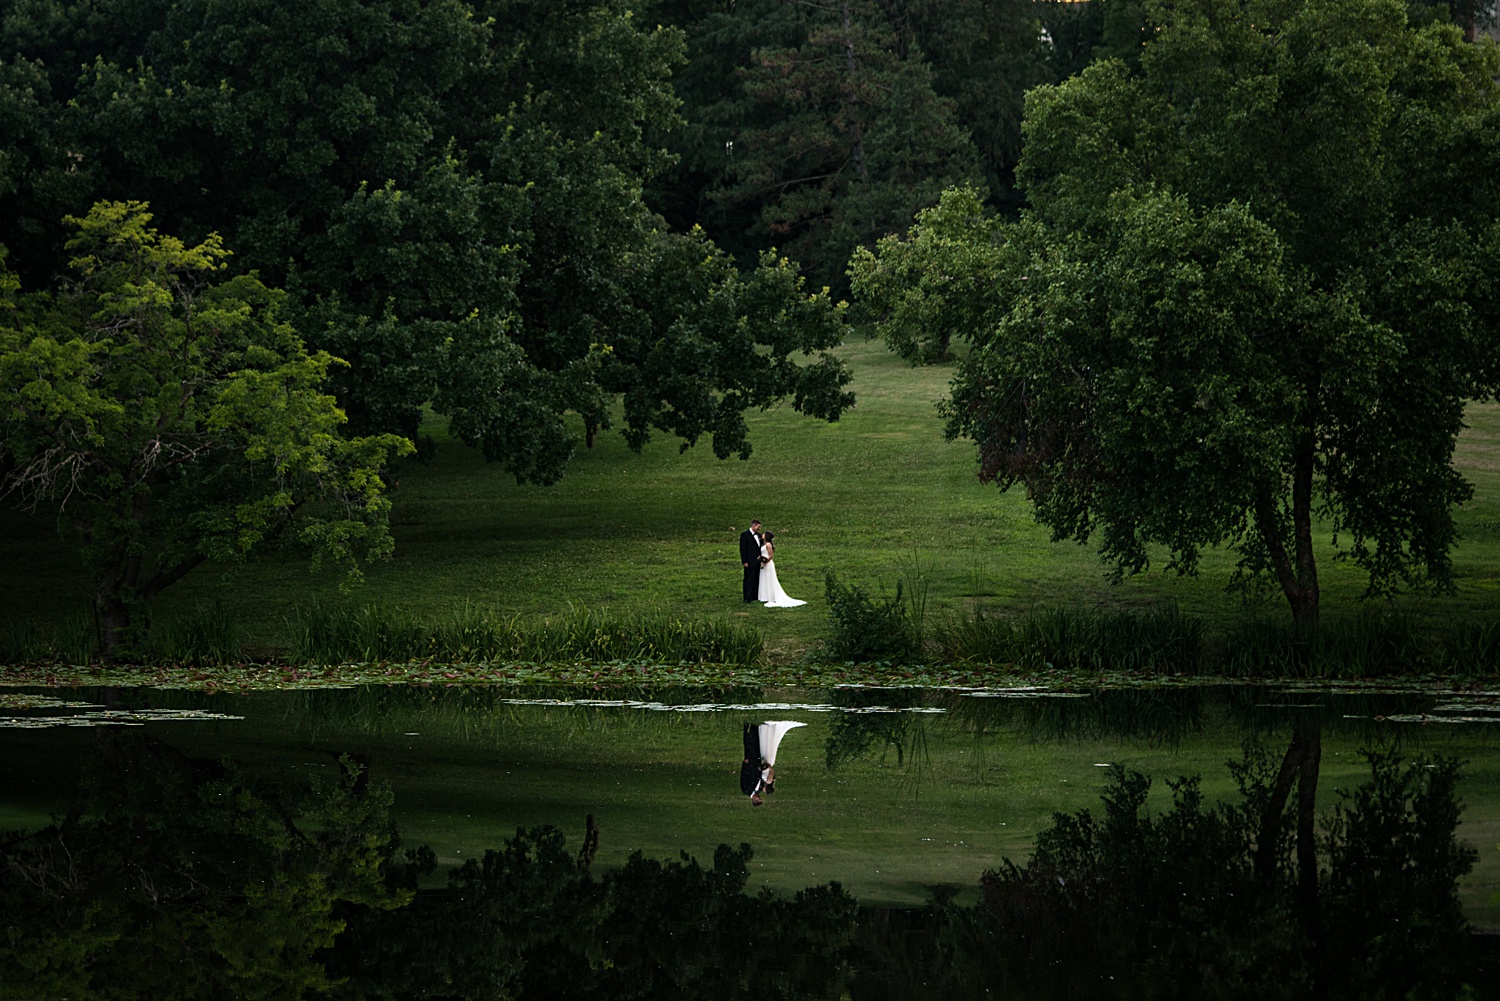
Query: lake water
pixel 895 793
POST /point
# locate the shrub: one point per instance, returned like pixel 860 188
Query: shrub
pixel 864 628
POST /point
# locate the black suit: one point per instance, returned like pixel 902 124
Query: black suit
pixel 750 557
pixel 750 763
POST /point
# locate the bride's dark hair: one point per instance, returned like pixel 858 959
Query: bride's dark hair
pixel 769 536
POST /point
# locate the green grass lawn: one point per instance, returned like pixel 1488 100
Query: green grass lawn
pixel 875 496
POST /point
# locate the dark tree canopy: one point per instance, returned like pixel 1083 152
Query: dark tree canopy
pixel 1255 289
pixel 166 414
pixel 450 193
pixel 817 128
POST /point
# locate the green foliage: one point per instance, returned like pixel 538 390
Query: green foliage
pixel 183 879
pixel 206 635
pixel 1370 644
pixel 1367 645
pixel 1075 32
pixel 1162 640
pixel 937 285
pixel 168 416
pixel 864 628
pixel 818 129
pixel 1158 640
pixel 70 641
pixel 449 192
pixel 1193 342
pixel 1106 899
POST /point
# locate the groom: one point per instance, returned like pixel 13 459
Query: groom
pixel 750 559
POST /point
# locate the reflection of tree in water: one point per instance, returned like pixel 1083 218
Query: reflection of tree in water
pixel 877 718
pixel 1356 716
pixel 1160 716
pixel 526 922
pixel 178 877
pixel 1164 717
pixel 1204 901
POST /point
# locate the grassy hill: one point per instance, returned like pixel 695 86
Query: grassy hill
pixel 877 496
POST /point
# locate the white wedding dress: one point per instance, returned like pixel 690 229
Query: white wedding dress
pixel 770 737
pixel 770 588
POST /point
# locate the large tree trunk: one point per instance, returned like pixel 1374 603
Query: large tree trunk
pixel 112 621
pixel 1311 735
pixel 1301 762
pixel 1305 608
pixel 117 598
pixel 1296 571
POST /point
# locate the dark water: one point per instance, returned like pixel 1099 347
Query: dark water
pixel 890 791
pixel 901 796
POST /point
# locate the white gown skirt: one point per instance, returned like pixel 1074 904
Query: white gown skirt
pixel 770 589
pixel 770 737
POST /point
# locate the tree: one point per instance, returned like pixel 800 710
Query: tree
pixel 985 55
pixel 1469 15
pixel 449 192
pixel 1255 288
pixel 936 285
pixel 183 878
pixel 1172 902
pixel 1073 32
pixel 817 128
pixel 169 416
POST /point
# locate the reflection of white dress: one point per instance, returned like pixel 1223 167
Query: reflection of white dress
pixel 770 588
pixel 770 737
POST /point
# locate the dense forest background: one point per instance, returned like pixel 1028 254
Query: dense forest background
pixel 460 197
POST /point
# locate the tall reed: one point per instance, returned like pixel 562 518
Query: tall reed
pixel 1373 643
pixel 335 634
pixel 1158 640
pixel 206 635
pixel 70 641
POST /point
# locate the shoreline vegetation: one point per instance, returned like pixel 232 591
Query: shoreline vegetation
pixel 629 560
pixel 873 641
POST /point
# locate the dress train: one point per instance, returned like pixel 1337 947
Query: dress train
pixel 770 590
pixel 770 737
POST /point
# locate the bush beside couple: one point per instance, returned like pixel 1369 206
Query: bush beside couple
pixel 757 556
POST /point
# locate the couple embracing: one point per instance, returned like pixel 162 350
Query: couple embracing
pixel 757 552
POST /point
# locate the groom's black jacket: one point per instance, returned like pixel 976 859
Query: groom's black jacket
pixel 750 556
pixel 749 548
pixel 750 763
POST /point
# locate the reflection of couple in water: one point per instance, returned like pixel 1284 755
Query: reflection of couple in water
pixel 758 766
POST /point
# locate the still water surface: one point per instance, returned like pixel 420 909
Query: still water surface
pixel 895 793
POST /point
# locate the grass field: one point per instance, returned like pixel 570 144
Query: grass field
pixel 878 495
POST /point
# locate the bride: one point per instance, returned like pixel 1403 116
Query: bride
pixel 770 588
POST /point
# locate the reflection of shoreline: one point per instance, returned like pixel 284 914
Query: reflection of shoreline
pixel 715 707
pixel 171 908
pixel 992 770
pixel 110 717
